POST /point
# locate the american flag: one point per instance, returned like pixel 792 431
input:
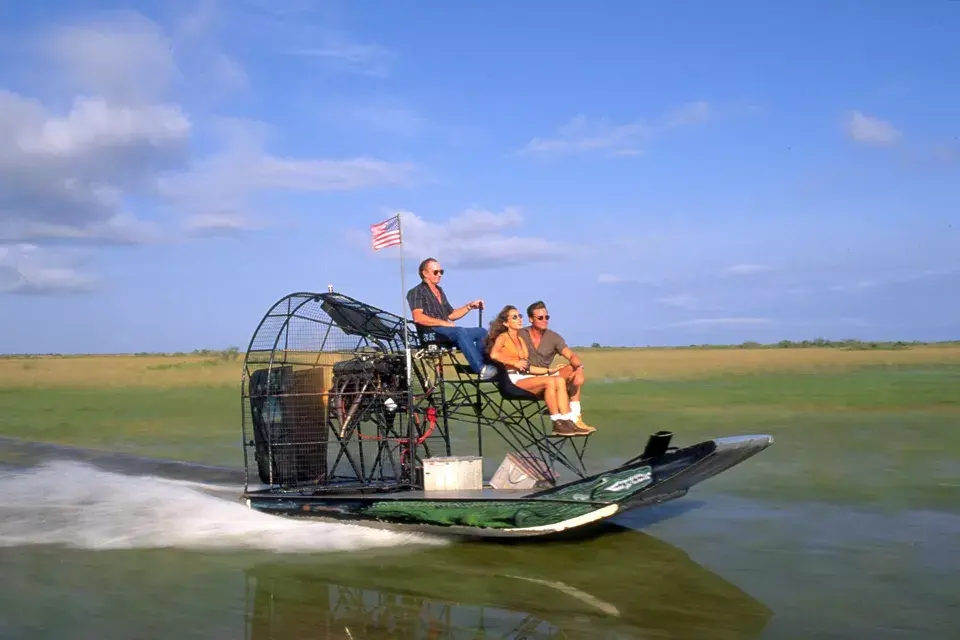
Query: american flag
pixel 386 233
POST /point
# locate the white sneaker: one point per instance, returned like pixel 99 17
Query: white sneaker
pixel 487 372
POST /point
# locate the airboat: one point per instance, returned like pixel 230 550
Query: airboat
pixel 351 413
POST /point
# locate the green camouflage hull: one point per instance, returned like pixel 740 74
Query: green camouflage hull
pixel 549 511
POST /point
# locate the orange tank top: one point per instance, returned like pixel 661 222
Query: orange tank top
pixel 512 350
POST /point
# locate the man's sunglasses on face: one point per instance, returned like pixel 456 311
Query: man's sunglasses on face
pixel 438 272
pixel 547 317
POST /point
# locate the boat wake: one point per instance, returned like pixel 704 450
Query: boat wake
pixel 80 506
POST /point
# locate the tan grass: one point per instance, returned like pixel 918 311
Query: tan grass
pixel 692 363
pixel 194 371
pixel 118 371
pixel 701 362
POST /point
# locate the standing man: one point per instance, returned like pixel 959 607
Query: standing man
pixel 544 344
pixel 430 308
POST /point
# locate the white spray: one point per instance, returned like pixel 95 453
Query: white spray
pixel 77 505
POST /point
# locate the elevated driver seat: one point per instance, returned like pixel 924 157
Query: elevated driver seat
pixel 428 336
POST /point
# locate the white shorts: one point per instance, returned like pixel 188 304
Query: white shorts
pixel 520 376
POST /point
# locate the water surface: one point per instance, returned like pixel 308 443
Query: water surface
pixel 114 546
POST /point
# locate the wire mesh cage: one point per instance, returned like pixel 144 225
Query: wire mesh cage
pixel 326 396
pixel 333 401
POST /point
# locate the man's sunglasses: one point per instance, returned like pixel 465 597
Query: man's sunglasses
pixel 547 317
pixel 438 272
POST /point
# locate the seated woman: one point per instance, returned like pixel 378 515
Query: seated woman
pixel 504 345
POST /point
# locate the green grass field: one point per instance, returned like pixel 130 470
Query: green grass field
pixel 875 428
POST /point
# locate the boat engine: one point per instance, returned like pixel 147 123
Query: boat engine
pixel 369 387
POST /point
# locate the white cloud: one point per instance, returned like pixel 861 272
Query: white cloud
pixel 862 284
pixel 609 278
pixel 474 239
pixel 395 120
pixel 28 269
pixel 93 125
pixel 345 55
pixel 871 130
pixel 940 271
pixel 699 322
pixel 379 114
pixel 581 135
pixel 121 56
pixel 66 176
pixel 680 301
pixel 584 135
pixel 483 221
pixel 119 229
pixel 304 28
pixel 110 155
pixel 897 279
pixel 216 189
pixel 689 114
pixel 271 172
pixel 746 269
pixel 10 277
pixel 204 224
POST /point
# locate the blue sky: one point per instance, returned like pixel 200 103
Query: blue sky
pixel 658 173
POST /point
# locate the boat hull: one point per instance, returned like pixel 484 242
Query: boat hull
pixel 497 514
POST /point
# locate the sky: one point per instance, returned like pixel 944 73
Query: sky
pixel 658 173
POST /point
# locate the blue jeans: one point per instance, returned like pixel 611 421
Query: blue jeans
pixel 469 340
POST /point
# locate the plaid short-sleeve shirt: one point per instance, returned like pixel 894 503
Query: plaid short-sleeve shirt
pixel 420 297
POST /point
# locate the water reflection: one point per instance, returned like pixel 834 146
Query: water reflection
pixel 625 584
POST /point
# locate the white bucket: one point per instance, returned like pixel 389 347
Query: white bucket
pixel 454 473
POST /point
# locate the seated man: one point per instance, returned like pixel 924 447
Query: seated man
pixel 505 346
pixel 544 344
pixel 430 308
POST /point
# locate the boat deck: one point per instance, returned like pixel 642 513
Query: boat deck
pixel 487 493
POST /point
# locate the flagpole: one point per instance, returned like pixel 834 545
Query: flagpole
pixel 411 431
pixel 383 237
pixel 403 285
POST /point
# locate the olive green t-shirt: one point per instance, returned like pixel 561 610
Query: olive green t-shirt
pixel 551 345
